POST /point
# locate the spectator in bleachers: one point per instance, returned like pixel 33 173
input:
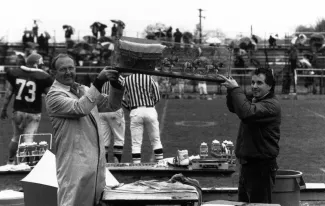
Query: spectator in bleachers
pixel 46 44
pixel 27 38
pixel 68 32
pixel 114 30
pixel 169 34
pixel 239 57
pixel 302 39
pixel 120 30
pixel 293 57
pixel 178 37
pixel 304 62
pixel 35 31
pixel 95 29
pixel 102 31
pixel 272 40
pixel 41 42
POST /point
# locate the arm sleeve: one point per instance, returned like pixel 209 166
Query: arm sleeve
pixel 229 102
pixel 260 112
pixel 155 89
pixel 47 84
pixel 59 104
pixel 111 102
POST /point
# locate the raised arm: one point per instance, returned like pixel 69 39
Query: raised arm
pixel 261 112
pixel 59 104
pixel 113 101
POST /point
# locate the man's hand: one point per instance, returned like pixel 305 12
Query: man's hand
pixel 4 114
pixel 229 83
pixel 108 74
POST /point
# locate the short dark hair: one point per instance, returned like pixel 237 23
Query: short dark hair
pixel 61 55
pixel 32 59
pixel 269 76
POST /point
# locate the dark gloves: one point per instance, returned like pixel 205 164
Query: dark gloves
pixel 99 84
pixel 116 84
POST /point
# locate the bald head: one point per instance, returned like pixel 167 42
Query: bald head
pixel 64 70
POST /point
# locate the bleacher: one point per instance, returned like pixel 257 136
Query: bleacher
pixel 277 59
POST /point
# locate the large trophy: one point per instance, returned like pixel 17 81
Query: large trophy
pixel 134 55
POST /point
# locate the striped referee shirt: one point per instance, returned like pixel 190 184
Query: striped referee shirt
pixel 140 90
pixel 106 85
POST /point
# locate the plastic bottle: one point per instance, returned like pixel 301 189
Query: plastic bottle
pixel 204 150
pixel 216 149
pixel 230 147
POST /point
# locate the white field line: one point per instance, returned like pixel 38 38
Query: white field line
pixel 315 113
pixel 163 117
pixel 322 169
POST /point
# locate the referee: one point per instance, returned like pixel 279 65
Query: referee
pixel 141 96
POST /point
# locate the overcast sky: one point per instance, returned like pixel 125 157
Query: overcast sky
pixel 230 16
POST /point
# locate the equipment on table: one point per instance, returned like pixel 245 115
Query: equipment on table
pixel 31 147
pixel 221 164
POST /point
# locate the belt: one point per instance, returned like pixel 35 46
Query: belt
pixel 132 108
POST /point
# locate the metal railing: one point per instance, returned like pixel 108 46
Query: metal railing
pixel 242 76
pixel 315 76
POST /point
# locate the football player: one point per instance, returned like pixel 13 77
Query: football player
pixel 26 84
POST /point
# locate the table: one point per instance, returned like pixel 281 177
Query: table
pixel 227 203
pixel 127 199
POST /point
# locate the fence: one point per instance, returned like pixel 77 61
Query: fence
pixel 306 81
pixel 313 79
pixel 86 74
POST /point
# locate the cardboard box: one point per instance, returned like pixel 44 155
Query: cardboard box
pixel 40 185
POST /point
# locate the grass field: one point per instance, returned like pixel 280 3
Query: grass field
pixel 186 123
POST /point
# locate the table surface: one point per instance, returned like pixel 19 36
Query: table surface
pixel 151 169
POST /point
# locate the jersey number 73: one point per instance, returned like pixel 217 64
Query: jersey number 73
pixel 31 93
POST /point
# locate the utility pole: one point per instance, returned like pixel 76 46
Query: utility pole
pixel 251 30
pixel 200 16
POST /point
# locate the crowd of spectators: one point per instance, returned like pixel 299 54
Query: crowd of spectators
pixel 97 49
